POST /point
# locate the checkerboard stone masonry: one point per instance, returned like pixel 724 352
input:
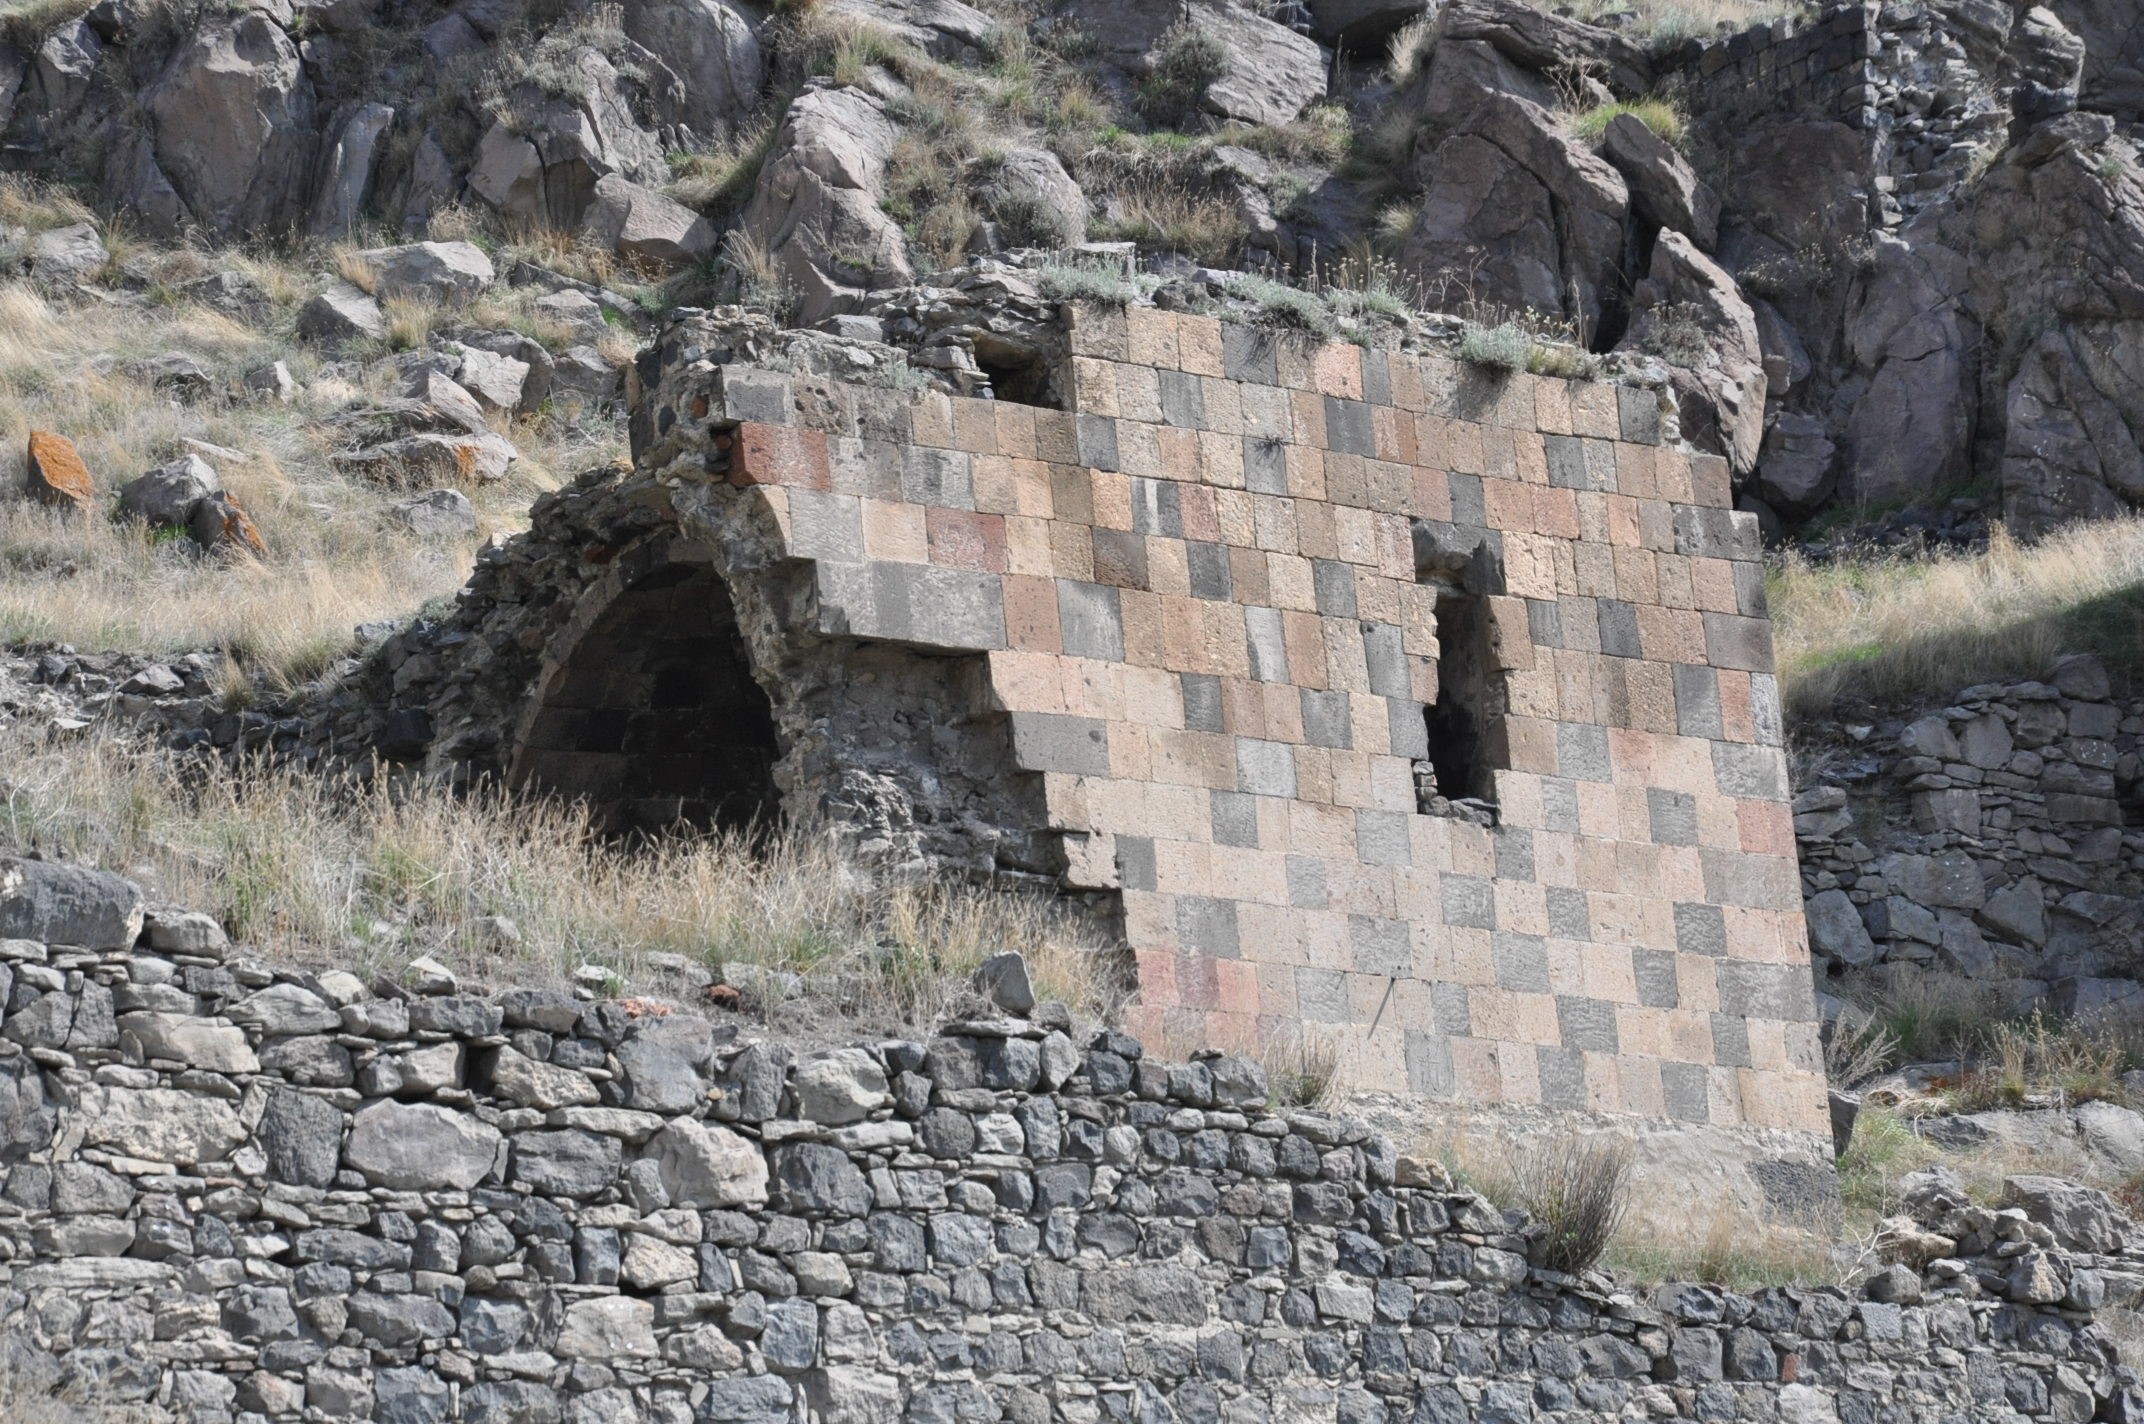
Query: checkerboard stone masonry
pixel 1200 600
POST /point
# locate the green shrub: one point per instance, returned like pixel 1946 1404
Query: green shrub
pixel 1186 63
pixel 1505 347
pixel 1575 1188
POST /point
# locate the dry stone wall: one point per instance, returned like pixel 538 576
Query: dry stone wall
pixel 241 1194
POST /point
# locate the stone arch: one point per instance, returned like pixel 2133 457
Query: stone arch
pixel 646 705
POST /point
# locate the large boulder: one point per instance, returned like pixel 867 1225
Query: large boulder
pixel 1268 74
pixel 341 313
pixel 51 903
pixel 2113 41
pixel 1541 41
pixel 1034 201
pixel 713 47
pixel 1664 189
pixel 644 227
pixel 53 473
pixel 219 524
pixel 1911 432
pixel 816 207
pixel 943 29
pixel 433 271
pixel 233 114
pixel 1691 312
pixel 1516 214
pixel 346 167
pixel 582 127
pixel 1362 26
pixel 1795 470
pixel 165 497
pixel 73 253
pixel 2082 1218
pixel 430 459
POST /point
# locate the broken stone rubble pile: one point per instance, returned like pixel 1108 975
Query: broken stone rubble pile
pixel 250 1193
pixel 1990 839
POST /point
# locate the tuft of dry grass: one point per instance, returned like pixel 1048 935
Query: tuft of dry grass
pixel 1733 1253
pixel 1302 1070
pixel 310 869
pixel 1177 219
pixel 1575 1188
pixel 27 22
pixel 2069 1060
pixel 1911 627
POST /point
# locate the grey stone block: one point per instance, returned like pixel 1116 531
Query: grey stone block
pixel 1207 926
pixel 1247 354
pixel 1638 413
pixel 1135 862
pixel 1157 507
pixel 1766 991
pixel 1568 913
pixel 1382 946
pixel 1658 985
pixel 1469 511
pixel 1381 838
pixel 1469 902
pixel 1587 1024
pixel 1686 1088
pixel 1697 701
pixel 1306 882
pixel 1265 465
pixel 1183 400
pixel 1097 441
pixel 1701 929
pixel 1350 429
pixel 1210 573
pixel 1736 642
pixel 1265 768
pixel 1750 772
pixel 1429 1064
pixel 1571 467
pixel 825 526
pixel 1544 623
pixel 955 608
pixel 1376 377
pixel 1326 719
pixel 1384 648
pixel 1514 850
pixel 1521 962
pixel 1450 1009
pixel 1091 620
pixel 1268 644
pixel 1559 804
pixel 1321 996
pixel 1334 583
pixel 1673 815
pixel 937 477
pixel 1202 703
pixel 1730 1041
pixel 1407 728
pixel 1619 628
pixel 1562 1073
pixel 1235 818
pixel 1050 741
pixel 1582 751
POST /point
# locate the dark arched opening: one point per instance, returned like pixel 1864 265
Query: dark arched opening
pixel 651 715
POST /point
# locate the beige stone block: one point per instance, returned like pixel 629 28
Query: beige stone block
pixel 1232 516
pixel 1606 973
pixel 895 532
pixel 1638 1085
pixel 1072 551
pixel 1140 613
pixel 1521 1073
pixel 1027 682
pixel 1273 524
pixel 1198 345
pixel 1027 547
pixel 930 421
pixel 1230 408
pixel 1095 385
pixel 1150 337
pixel 1168 568
pixel 1112 499
pixel 1138 395
pixel 1475 1070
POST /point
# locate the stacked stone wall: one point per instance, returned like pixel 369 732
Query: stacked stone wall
pixel 238 1193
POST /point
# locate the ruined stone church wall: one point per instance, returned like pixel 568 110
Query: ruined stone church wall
pixel 1207 597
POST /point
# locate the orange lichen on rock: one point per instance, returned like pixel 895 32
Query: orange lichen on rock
pixel 220 524
pixel 54 473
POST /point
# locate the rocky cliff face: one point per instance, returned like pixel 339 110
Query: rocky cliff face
pixel 242 1193
pixel 1901 257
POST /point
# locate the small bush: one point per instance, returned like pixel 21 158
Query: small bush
pixel 1302 1071
pixel 1884 1148
pixel 1090 282
pixel 1575 1188
pixel 1286 308
pixel 1505 347
pixel 1571 363
pixel 1411 48
pixel 1186 63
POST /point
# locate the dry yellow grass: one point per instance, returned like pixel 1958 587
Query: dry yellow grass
pixel 1680 19
pixel 308 869
pixel 1896 627
pixel 333 561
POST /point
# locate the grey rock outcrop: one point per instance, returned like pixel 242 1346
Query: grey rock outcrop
pixel 165 497
pixel 234 119
pixel 1268 73
pixel 341 313
pixel 816 207
pixel 645 227
pixel 714 48
pixel 447 272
